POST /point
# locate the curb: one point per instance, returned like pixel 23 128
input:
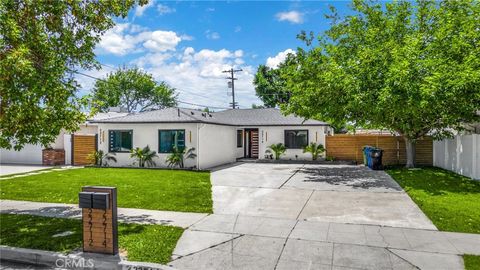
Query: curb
pixel 75 260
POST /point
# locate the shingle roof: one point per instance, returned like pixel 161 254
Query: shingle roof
pixel 237 117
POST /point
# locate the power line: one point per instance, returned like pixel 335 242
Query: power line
pixel 179 101
pixel 232 84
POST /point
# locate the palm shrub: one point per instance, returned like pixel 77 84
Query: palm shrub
pixel 178 156
pixel 278 149
pixel 101 158
pixel 314 149
pixel 144 156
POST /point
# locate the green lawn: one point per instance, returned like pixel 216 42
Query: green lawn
pixel 172 190
pixel 450 200
pixel 147 243
pixel 472 262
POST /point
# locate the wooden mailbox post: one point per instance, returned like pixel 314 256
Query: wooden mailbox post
pixel 99 219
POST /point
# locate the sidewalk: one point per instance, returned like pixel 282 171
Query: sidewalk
pixel 246 242
pixel 127 215
pixel 251 242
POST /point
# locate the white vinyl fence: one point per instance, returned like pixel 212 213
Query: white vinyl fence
pixel 460 154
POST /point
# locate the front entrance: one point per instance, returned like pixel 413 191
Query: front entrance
pixel 251 143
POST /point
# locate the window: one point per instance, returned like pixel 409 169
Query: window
pixel 296 139
pixel 167 139
pixel 239 138
pixel 120 140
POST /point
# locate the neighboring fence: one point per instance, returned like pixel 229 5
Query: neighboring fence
pixel 349 147
pixel 460 154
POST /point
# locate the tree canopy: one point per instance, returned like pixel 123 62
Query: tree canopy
pixel 412 68
pixel 134 90
pixel 41 44
pixel 269 86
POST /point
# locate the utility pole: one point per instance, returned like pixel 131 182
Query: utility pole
pixel 232 84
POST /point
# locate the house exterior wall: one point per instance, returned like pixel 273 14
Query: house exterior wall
pixel 30 154
pixel 268 135
pixel 217 145
pixel 147 134
pixel 460 154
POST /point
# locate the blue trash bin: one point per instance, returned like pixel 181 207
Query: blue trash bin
pixel 364 152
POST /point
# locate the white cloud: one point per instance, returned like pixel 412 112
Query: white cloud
pixel 212 35
pixel 273 62
pixel 198 76
pixel 128 38
pixel 164 9
pixel 238 29
pixel 139 10
pixel 116 41
pixel 210 9
pixel 161 41
pixel 290 16
pixel 187 37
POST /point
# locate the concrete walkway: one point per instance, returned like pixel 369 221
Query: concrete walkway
pixel 283 216
pixel 6 169
pixel 127 215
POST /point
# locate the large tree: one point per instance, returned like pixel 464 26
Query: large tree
pixel 41 43
pixel 412 68
pixel 269 86
pixel 134 90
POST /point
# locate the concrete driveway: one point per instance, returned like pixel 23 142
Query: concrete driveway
pixel 328 193
pixel 282 216
pixel 6 169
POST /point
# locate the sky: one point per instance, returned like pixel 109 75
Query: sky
pixel 189 44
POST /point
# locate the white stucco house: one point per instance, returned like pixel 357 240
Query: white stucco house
pixel 31 154
pixel 218 137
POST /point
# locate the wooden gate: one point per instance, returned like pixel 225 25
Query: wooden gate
pixel 349 147
pixel 83 146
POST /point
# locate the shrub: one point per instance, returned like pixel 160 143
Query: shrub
pixel 177 157
pixel 314 149
pixel 100 158
pixel 278 149
pixel 143 156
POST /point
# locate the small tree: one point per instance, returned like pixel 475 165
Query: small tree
pixel 144 156
pixel 278 149
pixel 314 149
pixel 100 158
pixel 177 157
pixel 133 89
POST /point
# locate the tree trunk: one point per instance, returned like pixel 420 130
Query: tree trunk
pixel 410 149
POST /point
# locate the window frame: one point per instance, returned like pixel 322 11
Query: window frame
pixel 240 132
pixel 110 150
pixel 159 144
pixel 296 130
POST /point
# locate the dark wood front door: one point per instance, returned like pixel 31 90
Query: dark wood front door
pixel 251 143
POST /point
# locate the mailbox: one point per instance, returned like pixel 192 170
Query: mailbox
pixel 100 200
pixel 85 199
pixel 99 219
